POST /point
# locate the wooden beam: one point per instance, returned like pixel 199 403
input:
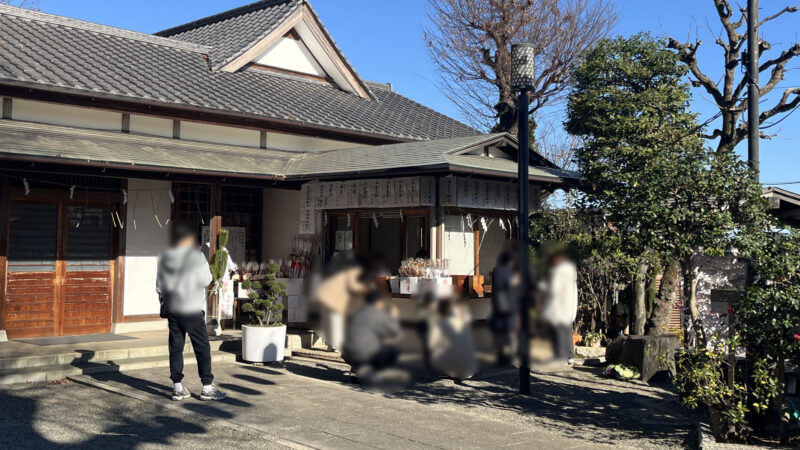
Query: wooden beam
pixel 118 299
pixel 176 129
pixel 126 123
pixel 7 108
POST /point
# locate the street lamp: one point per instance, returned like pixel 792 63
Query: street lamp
pixel 523 80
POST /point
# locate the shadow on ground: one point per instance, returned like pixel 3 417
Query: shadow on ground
pixel 578 404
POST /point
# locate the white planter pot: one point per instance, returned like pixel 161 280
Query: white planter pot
pixel 263 344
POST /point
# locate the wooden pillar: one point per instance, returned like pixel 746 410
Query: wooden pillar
pixel 4 223
pixel 120 244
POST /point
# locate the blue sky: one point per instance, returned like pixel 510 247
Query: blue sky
pixel 383 40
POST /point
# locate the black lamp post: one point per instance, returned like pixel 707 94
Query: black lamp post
pixel 522 80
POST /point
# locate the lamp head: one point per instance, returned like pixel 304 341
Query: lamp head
pixel 522 67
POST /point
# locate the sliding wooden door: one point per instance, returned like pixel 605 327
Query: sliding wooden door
pixel 60 269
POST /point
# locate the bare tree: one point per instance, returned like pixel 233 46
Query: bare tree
pixel 29 4
pixel 730 93
pixel 556 145
pixel 470 41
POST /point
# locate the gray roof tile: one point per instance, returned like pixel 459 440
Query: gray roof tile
pixel 232 32
pixel 59 54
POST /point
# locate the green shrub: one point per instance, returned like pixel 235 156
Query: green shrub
pixel 266 297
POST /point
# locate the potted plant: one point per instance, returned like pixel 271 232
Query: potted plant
pixel 593 339
pixel 263 335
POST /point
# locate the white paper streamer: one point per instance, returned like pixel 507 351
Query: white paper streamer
pixel 124 197
pixel 27 187
pixel 375 220
pixel 483 224
pixel 171 197
pixel 72 192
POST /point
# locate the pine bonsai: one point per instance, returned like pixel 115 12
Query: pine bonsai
pixel 266 299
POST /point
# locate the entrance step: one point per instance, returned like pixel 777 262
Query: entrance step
pixel 94 365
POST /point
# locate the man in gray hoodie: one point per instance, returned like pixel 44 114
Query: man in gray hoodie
pixel 181 282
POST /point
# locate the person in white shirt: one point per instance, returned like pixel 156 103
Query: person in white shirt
pixel 560 306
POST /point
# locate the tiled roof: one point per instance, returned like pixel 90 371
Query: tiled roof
pixel 65 55
pixel 232 32
pixel 26 141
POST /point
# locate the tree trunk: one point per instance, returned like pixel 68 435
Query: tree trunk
pixel 639 299
pixel 665 300
pixel 780 374
pixel 690 292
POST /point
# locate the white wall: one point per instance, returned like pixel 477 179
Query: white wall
pixel 144 243
pixel 204 132
pixel 154 126
pixel 290 54
pixel 70 116
pixel 459 247
pixel 281 222
pixel 295 143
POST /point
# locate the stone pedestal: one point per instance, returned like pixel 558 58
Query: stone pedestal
pixel 649 354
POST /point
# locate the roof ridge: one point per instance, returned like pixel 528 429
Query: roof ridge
pixel 102 29
pixel 250 7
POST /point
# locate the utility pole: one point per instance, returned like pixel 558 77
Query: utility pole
pixel 753 122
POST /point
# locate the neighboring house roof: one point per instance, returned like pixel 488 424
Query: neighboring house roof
pixel 785 205
pixel 60 55
pixel 28 141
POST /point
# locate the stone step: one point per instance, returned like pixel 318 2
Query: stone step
pixel 318 354
pixel 88 356
pixel 61 371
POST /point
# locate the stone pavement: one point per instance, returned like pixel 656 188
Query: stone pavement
pixel 68 415
pixel 310 404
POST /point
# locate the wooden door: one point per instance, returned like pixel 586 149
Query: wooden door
pixel 87 278
pixel 60 269
pixel 29 308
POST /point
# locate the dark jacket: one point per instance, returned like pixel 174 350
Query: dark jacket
pixel 505 301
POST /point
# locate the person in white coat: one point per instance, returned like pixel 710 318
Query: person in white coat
pixel 560 306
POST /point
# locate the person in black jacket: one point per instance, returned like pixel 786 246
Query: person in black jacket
pixel 505 304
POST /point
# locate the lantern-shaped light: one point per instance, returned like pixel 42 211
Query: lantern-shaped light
pixel 522 76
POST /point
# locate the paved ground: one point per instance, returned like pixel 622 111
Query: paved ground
pixel 312 404
pixel 308 403
pixel 70 415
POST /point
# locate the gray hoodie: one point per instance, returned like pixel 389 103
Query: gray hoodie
pixel 183 275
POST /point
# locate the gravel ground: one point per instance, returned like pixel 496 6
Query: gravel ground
pixel 69 415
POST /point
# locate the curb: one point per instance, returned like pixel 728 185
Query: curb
pixel 222 422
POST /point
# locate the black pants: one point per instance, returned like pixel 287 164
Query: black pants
pixel 385 357
pixel 561 336
pixel 195 325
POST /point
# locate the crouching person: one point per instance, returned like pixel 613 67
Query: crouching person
pixel 369 342
pixel 181 282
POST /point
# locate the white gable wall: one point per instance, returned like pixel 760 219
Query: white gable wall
pixel 290 54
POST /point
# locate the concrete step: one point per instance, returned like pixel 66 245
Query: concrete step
pixel 314 353
pixel 90 356
pixel 60 371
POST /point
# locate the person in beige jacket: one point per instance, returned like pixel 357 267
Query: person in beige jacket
pixel 335 294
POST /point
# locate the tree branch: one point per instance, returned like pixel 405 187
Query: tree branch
pixel 688 54
pixel 784 105
pixel 789 9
